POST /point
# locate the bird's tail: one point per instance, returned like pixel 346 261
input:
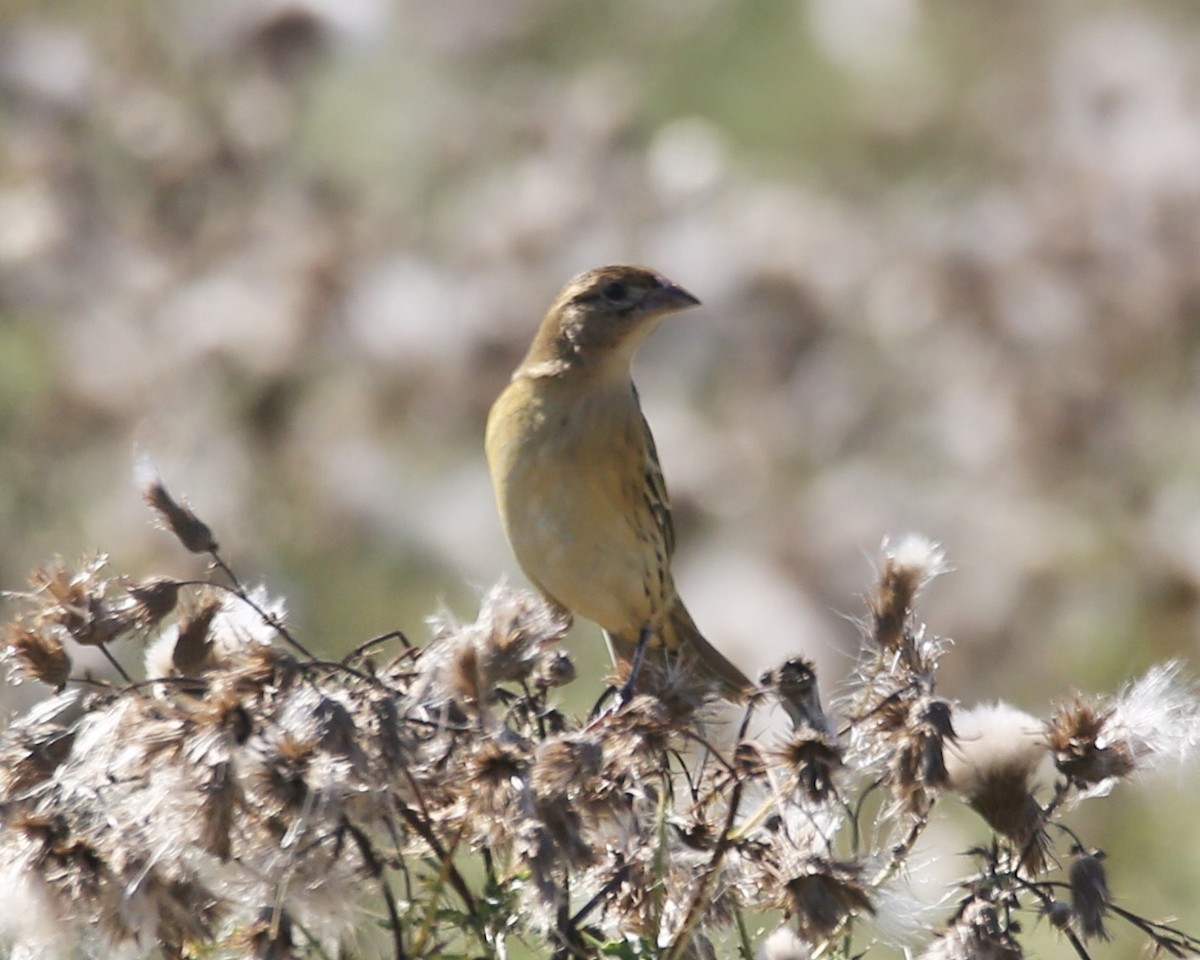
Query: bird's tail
pixel 680 638
pixel 681 633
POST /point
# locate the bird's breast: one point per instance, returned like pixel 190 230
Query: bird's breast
pixel 568 467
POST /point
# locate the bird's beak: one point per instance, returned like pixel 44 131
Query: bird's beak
pixel 668 296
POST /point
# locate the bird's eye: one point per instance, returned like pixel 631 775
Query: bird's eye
pixel 615 292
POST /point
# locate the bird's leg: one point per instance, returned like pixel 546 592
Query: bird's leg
pixel 624 693
pixel 598 710
pixel 635 665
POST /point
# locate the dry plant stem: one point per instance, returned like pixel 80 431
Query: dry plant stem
pixel 562 927
pixel 114 663
pixel 745 944
pixel 361 650
pixel 618 878
pixel 421 825
pixel 1175 941
pixel 711 750
pixel 375 870
pixel 339 666
pixel 900 852
pixel 704 888
pixel 1047 900
pixel 268 618
pixel 444 873
pixel 1062 790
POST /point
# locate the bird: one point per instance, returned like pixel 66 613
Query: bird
pixel 577 479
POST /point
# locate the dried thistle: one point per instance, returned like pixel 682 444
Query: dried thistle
pixel 795 687
pixel 193 649
pixel 34 746
pixel 820 894
pixel 1076 734
pixel 300 783
pixel 812 757
pixel 178 518
pixel 918 763
pixel 906 568
pixel 992 766
pixel 38 654
pixel 154 600
pixel 976 934
pixel 513 631
pixel 75 602
pixel 1154 720
pixel 555 670
pixel 1089 894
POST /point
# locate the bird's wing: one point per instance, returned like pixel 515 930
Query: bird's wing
pixel 656 490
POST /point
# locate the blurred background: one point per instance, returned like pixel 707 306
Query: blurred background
pixel 949 253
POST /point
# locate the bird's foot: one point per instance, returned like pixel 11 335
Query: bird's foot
pixel 623 694
pixel 603 706
pixel 629 687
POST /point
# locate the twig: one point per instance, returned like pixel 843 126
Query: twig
pixel 375 868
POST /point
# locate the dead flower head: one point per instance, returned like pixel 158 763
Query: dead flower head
pixel 813 757
pixel 1089 893
pixel 905 568
pixel 1155 719
pixel 192 532
pixel 976 934
pixel 75 603
pixel 918 763
pixel 38 654
pixel 820 893
pixel 795 686
pixel 992 766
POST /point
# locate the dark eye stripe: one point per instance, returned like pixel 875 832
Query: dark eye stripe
pixel 601 297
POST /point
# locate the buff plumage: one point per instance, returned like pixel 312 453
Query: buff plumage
pixel 577 478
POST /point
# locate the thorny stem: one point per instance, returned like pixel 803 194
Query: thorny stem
pixel 618 878
pixel 444 874
pixel 489 866
pixel 745 946
pixel 712 751
pixel 704 887
pixel 362 648
pixel 339 666
pixel 446 859
pixel 657 894
pixel 269 619
pixel 900 852
pixel 564 931
pixel 693 784
pixel 1047 900
pixel 535 707
pixel 1061 791
pixel 115 664
pixel 745 725
pixel 855 815
pixel 1169 938
pixel 421 825
pixel 375 869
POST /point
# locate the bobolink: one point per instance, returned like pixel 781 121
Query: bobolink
pixel 577 478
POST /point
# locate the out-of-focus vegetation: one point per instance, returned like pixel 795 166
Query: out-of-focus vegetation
pixel 949 253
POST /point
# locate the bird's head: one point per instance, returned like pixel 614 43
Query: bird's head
pixel 601 316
